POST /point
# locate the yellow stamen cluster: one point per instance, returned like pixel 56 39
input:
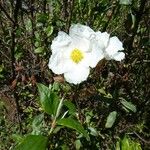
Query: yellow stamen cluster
pixel 76 55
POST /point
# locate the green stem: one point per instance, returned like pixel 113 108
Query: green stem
pixel 57 114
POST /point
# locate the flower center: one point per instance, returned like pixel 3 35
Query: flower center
pixel 76 55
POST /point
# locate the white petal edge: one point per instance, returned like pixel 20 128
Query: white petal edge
pixel 114 46
pixel 59 64
pixel 92 58
pixel 102 39
pixel 63 39
pixel 80 30
pixel 119 56
pixel 77 75
pixel 81 43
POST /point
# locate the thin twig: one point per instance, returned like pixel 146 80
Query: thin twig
pixel 71 7
pixel 115 10
pixel 75 99
pixel 138 16
pixel 145 141
pixel 5 55
pixel 7 15
pixel 13 36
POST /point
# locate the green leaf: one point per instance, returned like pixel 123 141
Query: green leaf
pixel 33 142
pixel 42 18
pixel 28 25
pixel 49 100
pixel 37 123
pixel 73 124
pixel 117 146
pixel 17 138
pixel 56 87
pixel 102 91
pixel 37 120
pixel 49 30
pixel 127 144
pixel 125 2
pixel 93 131
pixel 78 144
pixel 111 119
pixel 65 147
pixel 128 105
pixel 37 43
pixel 39 50
pixel 70 106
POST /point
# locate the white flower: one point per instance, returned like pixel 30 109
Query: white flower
pixel 111 46
pixel 74 54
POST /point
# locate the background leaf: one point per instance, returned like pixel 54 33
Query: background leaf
pixel 33 142
pixel 37 124
pixel 127 144
pixel 111 119
pixel 128 105
pixel 78 144
pixel 49 30
pixel 49 100
pixel 73 124
pixel 70 106
pixel 39 50
pixel 125 2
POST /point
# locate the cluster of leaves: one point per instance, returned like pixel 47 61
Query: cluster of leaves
pixel 52 105
pixel 60 118
pixel 112 103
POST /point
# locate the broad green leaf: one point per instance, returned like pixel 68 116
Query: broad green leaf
pixel 125 2
pixel 33 142
pixel 128 105
pixel 73 124
pixel 49 100
pixel 136 146
pixel 70 106
pixel 111 119
pixel 37 123
pixel 127 144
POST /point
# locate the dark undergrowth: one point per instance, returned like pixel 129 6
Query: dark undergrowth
pixel 26 31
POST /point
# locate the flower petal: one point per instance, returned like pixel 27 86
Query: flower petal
pixel 77 75
pixel 96 55
pixel 102 39
pixel 61 40
pixel 59 64
pixel 82 44
pixel 81 30
pixel 92 58
pixel 119 56
pixel 113 47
